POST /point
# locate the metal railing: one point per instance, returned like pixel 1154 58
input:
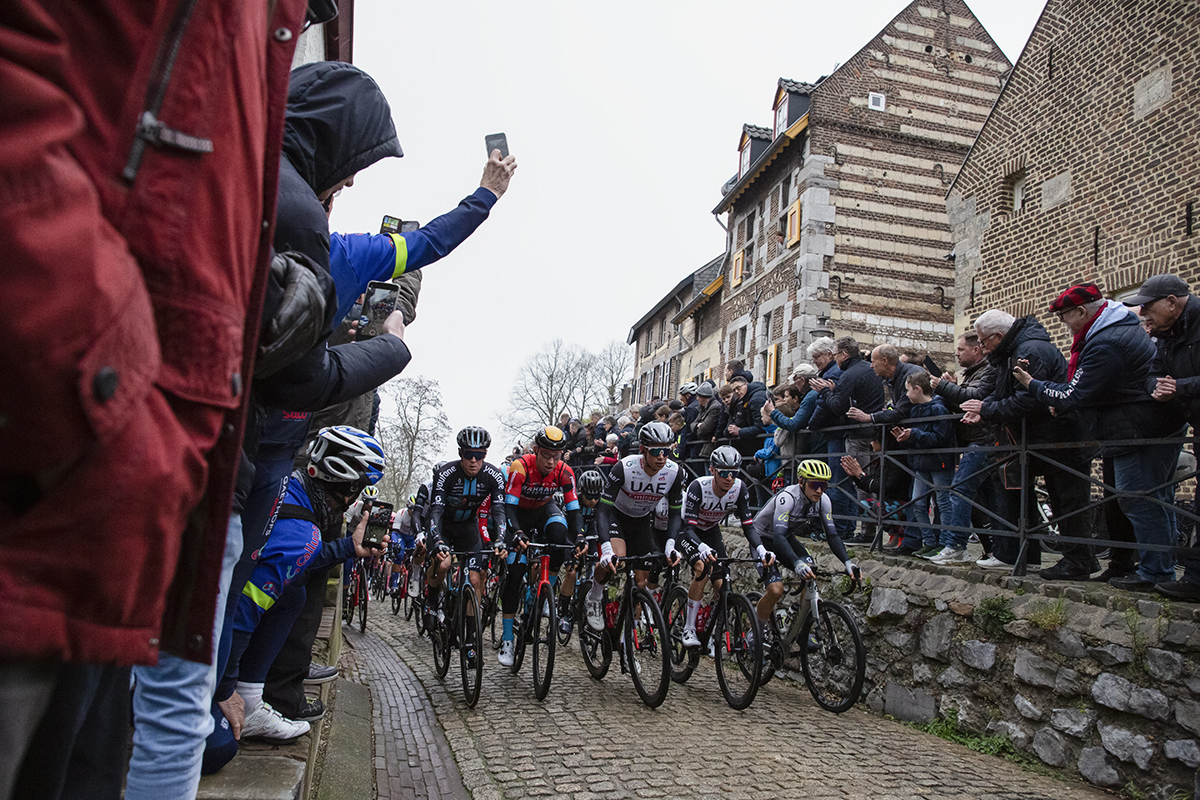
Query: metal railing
pixel 1030 460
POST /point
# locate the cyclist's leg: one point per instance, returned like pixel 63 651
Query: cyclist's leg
pixel 691 555
pixel 639 541
pixel 772 581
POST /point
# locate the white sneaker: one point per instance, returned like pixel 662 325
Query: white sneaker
pixel 950 555
pixel 991 562
pixel 267 723
pixel 412 587
pixel 595 613
pixel 690 639
pixel 506 652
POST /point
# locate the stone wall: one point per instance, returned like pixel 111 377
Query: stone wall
pixel 1111 695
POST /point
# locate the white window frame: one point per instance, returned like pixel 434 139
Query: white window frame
pixel 877 101
pixel 781 116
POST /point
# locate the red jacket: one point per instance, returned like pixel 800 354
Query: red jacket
pixel 129 308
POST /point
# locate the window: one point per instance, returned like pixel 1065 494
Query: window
pixel 748 265
pixel 1018 193
pixel 781 116
pixel 750 227
pixel 877 101
pixel 772 370
pixel 662 331
pixel 766 326
pixel 744 165
pixel 735 275
pixel 785 191
pixel 741 348
pixel 792 231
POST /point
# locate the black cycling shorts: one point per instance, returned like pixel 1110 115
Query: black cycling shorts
pixel 691 551
pixel 769 574
pixel 637 533
pixel 465 536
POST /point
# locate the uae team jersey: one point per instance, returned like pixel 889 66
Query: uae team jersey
pixel 703 509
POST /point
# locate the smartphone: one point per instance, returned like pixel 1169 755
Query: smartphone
pixel 932 366
pixel 379 524
pixel 379 303
pixel 409 226
pixel 396 225
pixel 496 141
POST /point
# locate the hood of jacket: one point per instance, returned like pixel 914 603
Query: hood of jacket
pixel 338 122
pixel 1111 314
pixel 1025 329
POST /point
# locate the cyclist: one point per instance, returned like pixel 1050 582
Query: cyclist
pixel 459 488
pixel 533 513
pixel 626 511
pixel 709 499
pixel 420 517
pixel 403 539
pixel 798 510
pixel 589 488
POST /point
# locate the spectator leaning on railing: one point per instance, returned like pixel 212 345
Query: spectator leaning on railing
pixel 1006 339
pixel 1108 383
pixel 710 420
pixel 1174 316
pixel 745 423
pixel 975 478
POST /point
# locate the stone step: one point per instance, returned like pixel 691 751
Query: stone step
pixel 254 777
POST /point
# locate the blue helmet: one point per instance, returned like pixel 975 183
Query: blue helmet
pixel 342 454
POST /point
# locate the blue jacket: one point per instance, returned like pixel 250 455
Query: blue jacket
pixel 930 436
pixel 769 454
pixel 798 421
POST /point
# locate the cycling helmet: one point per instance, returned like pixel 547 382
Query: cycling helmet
pixel 474 438
pixel 688 388
pixel 656 434
pixel 725 457
pixel 591 483
pixel 813 470
pixel 551 438
pixel 371 492
pixel 342 454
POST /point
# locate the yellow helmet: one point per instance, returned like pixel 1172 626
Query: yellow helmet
pixel 371 491
pixel 813 470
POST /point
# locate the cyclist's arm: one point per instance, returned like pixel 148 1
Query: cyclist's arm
pixel 836 545
pixel 512 498
pixel 741 507
pixel 691 504
pixel 496 521
pixel 607 506
pixel 675 505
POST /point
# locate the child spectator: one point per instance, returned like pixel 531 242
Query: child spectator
pixel 934 471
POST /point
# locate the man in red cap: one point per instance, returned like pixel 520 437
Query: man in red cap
pixel 1108 376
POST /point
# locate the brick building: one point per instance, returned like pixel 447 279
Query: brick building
pixel 1089 166
pixel 836 217
pixel 657 345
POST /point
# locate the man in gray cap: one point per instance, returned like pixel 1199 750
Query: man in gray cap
pixel 712 418
pixel 1174 315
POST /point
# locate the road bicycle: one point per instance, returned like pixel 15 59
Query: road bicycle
pixel 491 600
pixel 635 624
pixel 400 597
pixel 732 627
pixel 378 582
pixel 571 608
pixel 459 627
pixel 825 637
pixel 356 596
pixel 536 621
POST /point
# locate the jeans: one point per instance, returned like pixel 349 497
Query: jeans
pixel 1142 469
pixel 936 480
pixel 171 708
pixel 971 481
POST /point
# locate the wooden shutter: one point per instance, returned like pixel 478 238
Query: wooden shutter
pixel 793 224
pixel 772 364
pixel 738 263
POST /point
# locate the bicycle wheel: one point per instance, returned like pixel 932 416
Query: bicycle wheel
pixel 596 646
pixel 363 597
pixel 683 661
pixel 349 601
pixel 543 624
pixel 490 603
pixel 521 630
pixel 738 650
pixel 835 667
pixel 566 610
pixel 646 649
pixel 470 636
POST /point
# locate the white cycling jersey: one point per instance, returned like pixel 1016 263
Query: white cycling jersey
pixel 704 510
pixel 638 493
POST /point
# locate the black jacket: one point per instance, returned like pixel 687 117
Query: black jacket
pixel 1178 355
pixel 1010 402
pixel 857 386
pixel 900 407
pixel 1110 386
pixel 976 383
pixel 746 413
pixel 711 422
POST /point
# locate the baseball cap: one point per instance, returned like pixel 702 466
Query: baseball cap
pixel 1158 287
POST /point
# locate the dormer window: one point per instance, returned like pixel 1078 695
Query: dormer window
pixel 781 116
pixel 744 166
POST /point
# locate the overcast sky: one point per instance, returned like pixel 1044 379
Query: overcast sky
pixel 624 118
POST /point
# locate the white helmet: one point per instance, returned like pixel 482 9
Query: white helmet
pixel 342 454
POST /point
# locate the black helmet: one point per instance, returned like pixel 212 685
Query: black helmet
pixel 656 434
pixel 474 438
pixel 551 438
pixel 725 457
pixel 591 483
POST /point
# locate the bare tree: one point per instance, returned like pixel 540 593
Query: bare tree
pixel 557 378
pixel 612 367
pixel 412 434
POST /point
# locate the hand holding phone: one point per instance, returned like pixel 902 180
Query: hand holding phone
pixel 379 304
pixel 496 141
pixel 500 165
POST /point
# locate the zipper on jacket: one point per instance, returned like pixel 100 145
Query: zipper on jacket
pixel 150 130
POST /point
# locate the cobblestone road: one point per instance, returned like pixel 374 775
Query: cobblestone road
pixel 592 739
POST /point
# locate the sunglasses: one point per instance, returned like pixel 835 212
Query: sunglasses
pixel 541 451
pixel 727 473
pixel 473 455
pixel 820 486
pixel 658 451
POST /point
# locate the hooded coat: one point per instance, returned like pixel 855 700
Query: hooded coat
pixel 1010 402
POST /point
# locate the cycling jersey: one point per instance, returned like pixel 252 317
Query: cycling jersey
pixel 662 515
pixel 420 507
pixel 457 498
pixel 632 493
pixel 529 490
pixel 403 536
pixel 704 510
pixel 789 514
